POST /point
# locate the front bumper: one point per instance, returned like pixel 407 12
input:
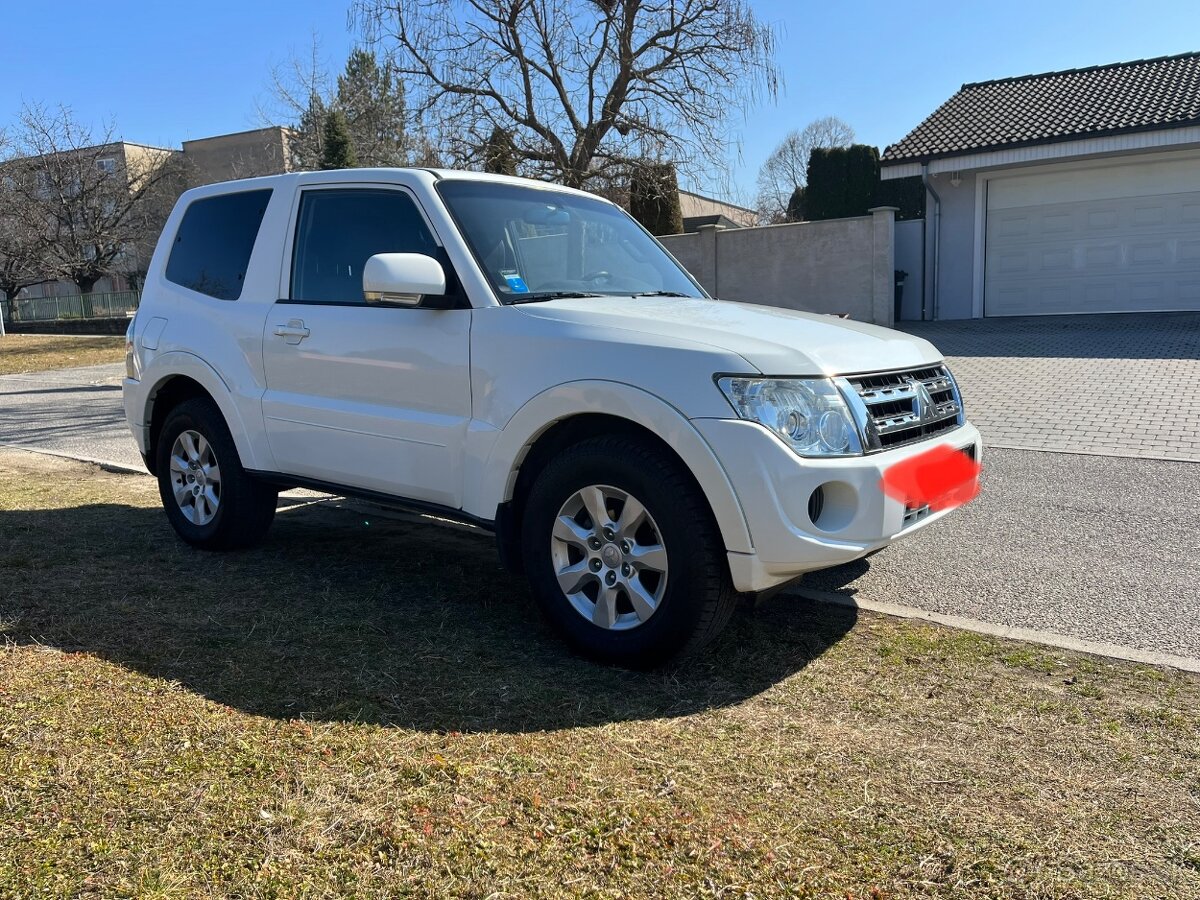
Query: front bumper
pixel 773 486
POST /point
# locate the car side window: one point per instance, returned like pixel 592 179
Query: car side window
pixel 214 242
pixel 337 231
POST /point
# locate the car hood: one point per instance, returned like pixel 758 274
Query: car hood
pixel 774 341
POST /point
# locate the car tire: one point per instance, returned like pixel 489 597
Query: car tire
pixel 210 500
pixel 652 587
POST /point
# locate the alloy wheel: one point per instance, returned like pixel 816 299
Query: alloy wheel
pixel 609 557
pixel 195 477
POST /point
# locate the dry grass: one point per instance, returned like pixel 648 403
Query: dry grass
pixel 36 352
pixel 367 707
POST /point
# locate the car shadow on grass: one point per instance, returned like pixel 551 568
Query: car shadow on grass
pixel 343 615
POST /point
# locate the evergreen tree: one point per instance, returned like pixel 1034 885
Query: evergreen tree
pixel 499 155
pixel 308 139
pixel 372 98
pixel 795 206
pixel 654 198
pixel 338 152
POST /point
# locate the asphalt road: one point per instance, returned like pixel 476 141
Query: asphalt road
pixel 73 411
pixel 1095 548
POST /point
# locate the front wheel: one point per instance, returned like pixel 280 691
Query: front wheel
pixel 210 500
pixel 623 555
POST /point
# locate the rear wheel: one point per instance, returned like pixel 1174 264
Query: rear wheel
pixel 623 555
pixel 210 500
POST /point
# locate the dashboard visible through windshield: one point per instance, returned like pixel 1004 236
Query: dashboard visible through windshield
pixel 536 244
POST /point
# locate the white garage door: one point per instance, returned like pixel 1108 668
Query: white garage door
pixel 1117 238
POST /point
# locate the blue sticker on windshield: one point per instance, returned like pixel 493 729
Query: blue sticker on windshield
pixel 516 283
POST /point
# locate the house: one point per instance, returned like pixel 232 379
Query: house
pixel 1065 192
pixel 244 154
pixel 699 210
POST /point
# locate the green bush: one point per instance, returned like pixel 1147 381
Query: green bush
pixel 906 194
pixel 841 181
pixel 844 181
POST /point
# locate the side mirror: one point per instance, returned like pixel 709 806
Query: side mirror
pixel 402 279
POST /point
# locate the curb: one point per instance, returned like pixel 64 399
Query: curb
pixel 105 464
pixel 1008 632
pixel 1104 453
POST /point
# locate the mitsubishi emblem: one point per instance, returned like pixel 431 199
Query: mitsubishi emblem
pixel 923 406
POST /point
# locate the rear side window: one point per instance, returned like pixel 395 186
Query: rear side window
pixel 213 245
pixel 339 230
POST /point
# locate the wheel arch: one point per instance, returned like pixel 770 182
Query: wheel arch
pixel 579 410
pixel 184 377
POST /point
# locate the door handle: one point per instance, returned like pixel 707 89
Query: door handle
pixel 293 332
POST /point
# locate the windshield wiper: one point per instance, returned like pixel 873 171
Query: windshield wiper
pixel 663 294
pixel 538 296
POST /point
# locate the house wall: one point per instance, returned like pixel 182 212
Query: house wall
pixel 956 267
pixel 246 154
pixel 909 247
pixel 692 205
pixel 834 266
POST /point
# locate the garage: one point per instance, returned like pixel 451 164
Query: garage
pixel 1065 192
pixel 1107 238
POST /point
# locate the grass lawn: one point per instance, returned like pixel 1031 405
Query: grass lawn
pixel 35 352
pixel 369 707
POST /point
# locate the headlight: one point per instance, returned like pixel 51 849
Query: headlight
pixel 807 414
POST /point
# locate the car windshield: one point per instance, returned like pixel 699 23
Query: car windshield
pixel 537 244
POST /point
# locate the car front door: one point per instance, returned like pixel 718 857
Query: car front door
pixel 365 396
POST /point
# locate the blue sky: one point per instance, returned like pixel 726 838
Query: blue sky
pixel 165 72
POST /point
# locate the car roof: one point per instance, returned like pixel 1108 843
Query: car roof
pixel 376 173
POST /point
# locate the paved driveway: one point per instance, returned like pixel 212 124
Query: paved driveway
pixel 1119 385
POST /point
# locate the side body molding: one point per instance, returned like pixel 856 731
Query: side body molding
pixel 495 458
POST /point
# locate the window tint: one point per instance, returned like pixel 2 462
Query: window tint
pixel 213 245
pixel 339 230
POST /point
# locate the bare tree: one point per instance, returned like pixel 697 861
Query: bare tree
pixel 585 88
pixel 23 237
pixel 96 201
pixel 785 169
pixel 301 93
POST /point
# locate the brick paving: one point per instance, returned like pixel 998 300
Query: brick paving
pixel 1116 385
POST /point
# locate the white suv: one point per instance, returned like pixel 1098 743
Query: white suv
pixel 526 358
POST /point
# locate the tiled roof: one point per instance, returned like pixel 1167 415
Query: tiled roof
pixel 1144 95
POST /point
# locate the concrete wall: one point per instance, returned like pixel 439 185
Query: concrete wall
pixel 835 266
pixel 957 251
pixel 909 245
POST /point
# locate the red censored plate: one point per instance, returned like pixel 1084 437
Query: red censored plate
pixel 941 478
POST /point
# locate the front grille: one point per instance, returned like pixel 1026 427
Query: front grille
pixel 897 408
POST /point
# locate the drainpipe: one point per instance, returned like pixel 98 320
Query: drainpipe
pixel 937 240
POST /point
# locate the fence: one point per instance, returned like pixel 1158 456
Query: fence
pixel 76 306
